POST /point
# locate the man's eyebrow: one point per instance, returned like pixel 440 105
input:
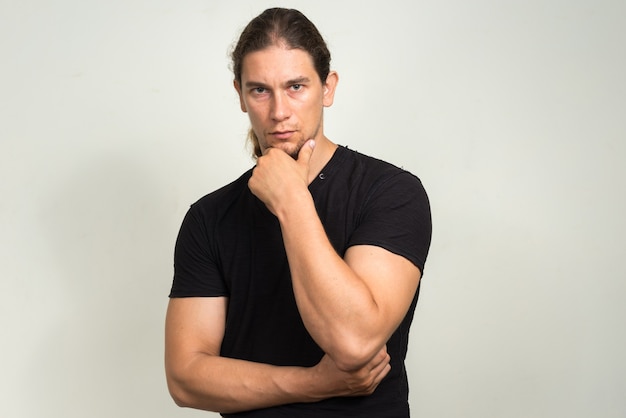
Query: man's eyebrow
pixel 299 80
pixel 252 84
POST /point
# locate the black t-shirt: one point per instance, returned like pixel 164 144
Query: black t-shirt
pixel 231 245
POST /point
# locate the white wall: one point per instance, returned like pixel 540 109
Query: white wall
pixel 116 115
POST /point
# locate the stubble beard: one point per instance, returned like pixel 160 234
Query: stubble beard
pixel 292 150
pixel 295 151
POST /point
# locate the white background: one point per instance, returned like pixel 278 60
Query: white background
pixel 116 115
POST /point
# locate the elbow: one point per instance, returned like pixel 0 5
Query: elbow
pixel 352 357
pixel 180 399
pixel 178 393
pixel 188 387
pixel 349 364
pixel 181 389
pixel 185 393
pixel 185 398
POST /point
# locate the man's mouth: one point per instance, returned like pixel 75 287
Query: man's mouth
pixel 282 135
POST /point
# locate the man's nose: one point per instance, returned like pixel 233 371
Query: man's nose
pixel 280 107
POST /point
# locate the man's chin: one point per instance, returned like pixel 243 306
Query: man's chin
pixel 290 149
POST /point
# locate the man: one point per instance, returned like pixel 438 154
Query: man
pixel 295 285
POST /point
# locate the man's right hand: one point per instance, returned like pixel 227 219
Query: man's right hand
pixel 359 382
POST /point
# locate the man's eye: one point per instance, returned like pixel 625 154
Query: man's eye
pixel 259 90
pixel 296 87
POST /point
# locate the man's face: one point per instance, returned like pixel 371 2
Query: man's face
pixel 284 97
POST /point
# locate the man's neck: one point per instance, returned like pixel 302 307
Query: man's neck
pixel 323 152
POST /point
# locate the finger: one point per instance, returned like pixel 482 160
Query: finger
pixel 379 366
pixel 381 358
pixel 304 156
pixel 375 376
pixel 381 370
pixel 381 374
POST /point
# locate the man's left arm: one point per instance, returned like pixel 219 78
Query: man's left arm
pixel 347 304
pixel 350 306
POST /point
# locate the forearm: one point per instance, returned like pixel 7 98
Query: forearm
pixel 199 377
pixel 347 304
pixel 337 307
pixel 228 385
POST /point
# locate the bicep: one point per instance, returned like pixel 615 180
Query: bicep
pixel 392 280
pixel 193 326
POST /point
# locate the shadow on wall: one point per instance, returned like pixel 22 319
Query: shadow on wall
pixel 107 229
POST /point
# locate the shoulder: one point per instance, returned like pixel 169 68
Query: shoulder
pixel 376 173
pixel 393 209
pixel 218 201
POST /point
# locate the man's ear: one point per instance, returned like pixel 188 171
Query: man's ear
pixel 241 102
pixel 329 88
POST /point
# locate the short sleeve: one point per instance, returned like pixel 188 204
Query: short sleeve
pixel 396 216
pixel 196 270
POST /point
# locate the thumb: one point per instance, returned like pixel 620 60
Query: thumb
pixel 304 156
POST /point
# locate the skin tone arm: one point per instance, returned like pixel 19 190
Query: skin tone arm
pixel 347 305
pixel 198 377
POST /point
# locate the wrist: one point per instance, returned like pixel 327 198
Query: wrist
pixel 303 384
pixel 295 207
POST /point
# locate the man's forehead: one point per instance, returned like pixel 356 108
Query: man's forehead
pixel 277 63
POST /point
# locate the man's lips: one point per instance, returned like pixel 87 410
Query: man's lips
pixel 282 134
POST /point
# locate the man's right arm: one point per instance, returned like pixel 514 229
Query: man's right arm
pixel 198 377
